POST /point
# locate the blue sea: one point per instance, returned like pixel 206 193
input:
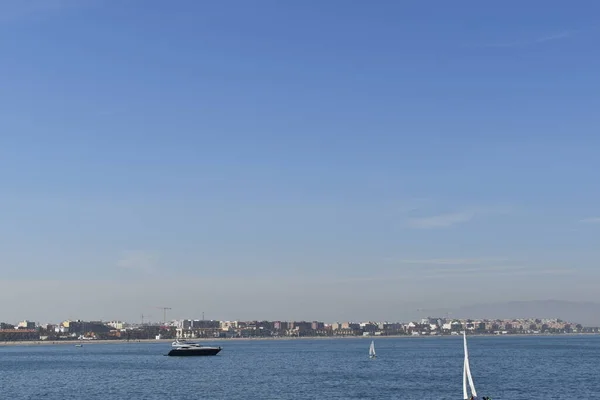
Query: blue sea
pixel 552 367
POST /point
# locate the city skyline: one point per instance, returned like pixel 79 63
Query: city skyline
pixel 197 323
pixel 234 159
pixel 100 331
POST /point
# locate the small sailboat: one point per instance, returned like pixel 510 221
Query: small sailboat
pixel 467 373
pixel 372 350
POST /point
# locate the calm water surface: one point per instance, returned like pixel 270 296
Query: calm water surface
pixel 559 367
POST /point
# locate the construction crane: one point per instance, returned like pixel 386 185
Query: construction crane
pixel 143 318
pixel 165 313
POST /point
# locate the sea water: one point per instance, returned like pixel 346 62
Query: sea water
pixel 508 367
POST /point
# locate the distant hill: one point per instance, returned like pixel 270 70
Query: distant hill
pixel 585 313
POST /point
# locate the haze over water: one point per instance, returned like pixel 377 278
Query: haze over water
pixel 559 368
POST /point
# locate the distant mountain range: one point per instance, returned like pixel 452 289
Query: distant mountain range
pixel 585 313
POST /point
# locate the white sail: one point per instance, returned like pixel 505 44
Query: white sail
pixel 467 371
pixel 372 350
pixel 465 393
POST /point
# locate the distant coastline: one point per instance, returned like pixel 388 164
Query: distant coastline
pixel 281 338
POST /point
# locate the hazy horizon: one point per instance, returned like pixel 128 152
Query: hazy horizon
pixel 329 161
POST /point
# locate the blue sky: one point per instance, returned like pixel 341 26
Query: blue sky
pixel 418 154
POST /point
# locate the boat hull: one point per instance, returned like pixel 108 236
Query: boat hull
pixel 199 351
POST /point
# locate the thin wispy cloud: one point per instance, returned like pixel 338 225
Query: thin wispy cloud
pixel 591 220
pixel 534 41
pixel 482 270
pixel 461 273
pixel 140 261
pixel 541 39
pixel 450 261
pixel 495 273
pixel 455 218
